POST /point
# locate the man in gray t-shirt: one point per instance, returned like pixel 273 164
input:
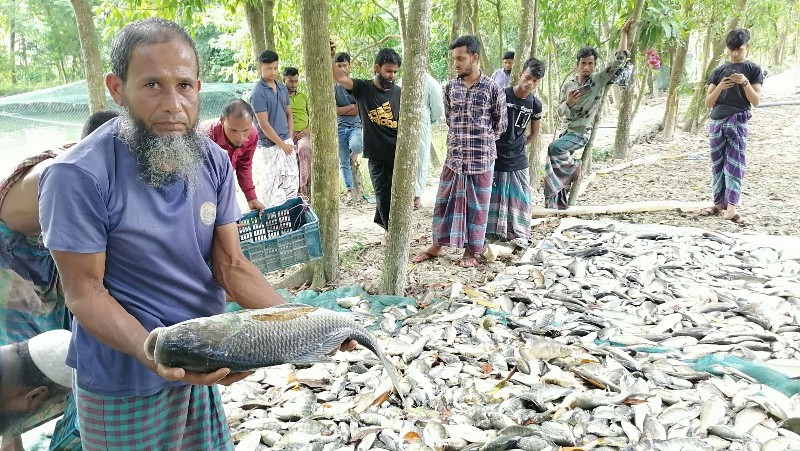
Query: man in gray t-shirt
pixel 351 142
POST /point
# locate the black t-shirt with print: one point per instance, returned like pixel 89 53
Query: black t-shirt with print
pixel 379 111
pixel 511 154
pixel 733 99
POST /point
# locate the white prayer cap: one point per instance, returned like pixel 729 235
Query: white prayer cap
pixel 49 352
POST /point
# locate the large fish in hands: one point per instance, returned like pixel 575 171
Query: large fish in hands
pixel 250 339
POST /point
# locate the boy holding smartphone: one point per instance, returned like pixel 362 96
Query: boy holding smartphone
pixel 578 104
pixel 732 89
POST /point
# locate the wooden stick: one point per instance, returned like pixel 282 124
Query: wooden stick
pixel 628 207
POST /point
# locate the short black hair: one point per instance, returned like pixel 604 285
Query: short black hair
pixel 388 56
pixel 238 108
pixel 97 119
pixel 536 67
pixel 341 57
pixel 737 38
pixel 586 52
pixel 145 32
pixel 268 56
pixel 472 43
pixel 290 71
pixel 508 55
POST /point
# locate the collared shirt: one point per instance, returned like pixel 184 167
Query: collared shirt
pixel 580 117
pixel 501 77
pixel 476 117
pixel 274 102
pixel 299 103
pixel 241 157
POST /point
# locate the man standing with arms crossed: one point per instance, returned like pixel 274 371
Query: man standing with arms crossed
pixel 475 111
pixel 379 106
pixel 235 133
pixel 351 141
pixel 579 101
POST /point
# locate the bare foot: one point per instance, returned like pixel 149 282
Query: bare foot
pixel 428 254
pixel 417 203
pixel 351 196
pixel 712 211
pixel 468 260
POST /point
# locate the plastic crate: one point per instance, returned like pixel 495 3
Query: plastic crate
pixel 283 236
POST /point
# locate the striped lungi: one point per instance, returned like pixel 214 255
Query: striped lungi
pixel 561 168
pixel 189 417
pixel 510 206
pixel 461 210
pixel 728 141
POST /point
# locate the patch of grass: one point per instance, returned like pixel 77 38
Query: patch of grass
pixel 601 154
pixel 349 256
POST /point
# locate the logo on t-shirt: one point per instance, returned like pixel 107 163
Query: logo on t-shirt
pixel 208 213
pixel 383 116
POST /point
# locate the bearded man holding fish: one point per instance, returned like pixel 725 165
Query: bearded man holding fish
pixel 141 221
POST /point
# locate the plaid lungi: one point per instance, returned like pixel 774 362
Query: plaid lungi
pixel 561 168
pixel 728 141
pixel 510 206
pixel 188 417
pixel 278 175
pixel 31 299
pixel 461 210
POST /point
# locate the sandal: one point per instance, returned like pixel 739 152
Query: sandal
pixel 713 211
pixel 739 220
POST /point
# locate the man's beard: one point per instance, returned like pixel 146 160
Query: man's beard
pixel 466 72
pixel 507 71
pixel 163 159
pixel 385 82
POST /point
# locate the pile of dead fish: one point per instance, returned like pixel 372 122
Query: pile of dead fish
pixel 605 336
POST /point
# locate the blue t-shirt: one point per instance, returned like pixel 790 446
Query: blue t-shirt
pixel 345 98
pixel 157 244
pixel 274 102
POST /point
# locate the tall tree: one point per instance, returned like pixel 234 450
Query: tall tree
pixel 268 8
pixel 254 14
pixel 322 120
pixel 12 57
pixel 415 53
pixel 622 140
pixel 535 33
pixel 526 24
pixel 676 74
pixel 90 50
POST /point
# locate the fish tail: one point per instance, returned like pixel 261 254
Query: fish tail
pixel 363 338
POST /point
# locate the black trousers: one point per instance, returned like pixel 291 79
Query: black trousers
pixel 381 174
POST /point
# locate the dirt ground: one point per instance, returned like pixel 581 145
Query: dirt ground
pixel 771 194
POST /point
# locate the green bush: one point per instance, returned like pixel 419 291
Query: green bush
pixel 8 89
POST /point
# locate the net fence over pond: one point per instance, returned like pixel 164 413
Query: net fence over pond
pixel 68 105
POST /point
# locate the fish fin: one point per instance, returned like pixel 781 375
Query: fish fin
pixel 284 313
pixel 311 359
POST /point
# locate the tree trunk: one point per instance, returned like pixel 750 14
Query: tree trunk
pixel 675 76
pixel 622 140
pixel 526 23
pixel 322 120
pixel 401 19
pixel 269 23
pixel 12 57
pixel 697 105
pixel 255 23
pixel 90 50
pixel 415 51
pixel 498 9
pixel 535 36
pixel 458 19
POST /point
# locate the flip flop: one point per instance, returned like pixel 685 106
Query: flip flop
pixel 422 257
pixel 739 220
pixel 713 211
